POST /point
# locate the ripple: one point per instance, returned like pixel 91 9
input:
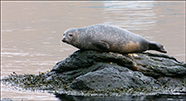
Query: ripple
pixel 131 15
pixel 14 54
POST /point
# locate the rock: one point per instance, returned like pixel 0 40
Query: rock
pixel 93 72
pixel 103 70
pixel 111 77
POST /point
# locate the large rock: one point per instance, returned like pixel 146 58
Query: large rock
pixel 103 70
pixel 111 77
pixel 90 72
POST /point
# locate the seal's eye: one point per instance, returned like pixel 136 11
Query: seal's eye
pixel 70 35
pixel 63 34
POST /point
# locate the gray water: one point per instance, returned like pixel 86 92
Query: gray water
pixel 32 31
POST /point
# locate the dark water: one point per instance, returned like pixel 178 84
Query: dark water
pixel 124 98
pixel 32 32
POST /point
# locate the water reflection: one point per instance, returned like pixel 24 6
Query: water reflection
pixel 162 97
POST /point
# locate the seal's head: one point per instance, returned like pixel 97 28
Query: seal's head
pixel 157 46
pixel 68 36
pixel 161 48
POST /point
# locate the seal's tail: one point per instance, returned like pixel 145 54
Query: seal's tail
pixel 157 47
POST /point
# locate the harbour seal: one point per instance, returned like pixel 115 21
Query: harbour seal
pixel 109 38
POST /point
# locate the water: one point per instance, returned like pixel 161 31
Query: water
pixel 32 32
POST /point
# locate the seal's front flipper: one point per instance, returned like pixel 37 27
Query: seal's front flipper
pixel 101 45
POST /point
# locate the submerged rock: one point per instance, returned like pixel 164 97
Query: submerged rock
pixel 107 72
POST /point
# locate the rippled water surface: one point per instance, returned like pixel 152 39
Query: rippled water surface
pixel 32 31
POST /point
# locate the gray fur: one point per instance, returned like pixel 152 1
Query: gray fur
pixel 103 37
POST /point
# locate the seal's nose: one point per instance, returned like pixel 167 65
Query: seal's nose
pixel 63 40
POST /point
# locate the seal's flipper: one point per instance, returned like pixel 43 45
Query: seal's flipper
pixel 101 45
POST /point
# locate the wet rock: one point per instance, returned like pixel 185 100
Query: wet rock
pixel 103 70
pixel 154 65
pixel 111 77
pixel 106 73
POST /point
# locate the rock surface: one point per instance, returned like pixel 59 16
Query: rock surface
pixel 107 72
pixel 111 77
pixel 102 70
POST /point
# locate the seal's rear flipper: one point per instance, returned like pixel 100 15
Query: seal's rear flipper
pixel 157 47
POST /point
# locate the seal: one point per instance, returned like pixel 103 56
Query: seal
pixel 109 38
